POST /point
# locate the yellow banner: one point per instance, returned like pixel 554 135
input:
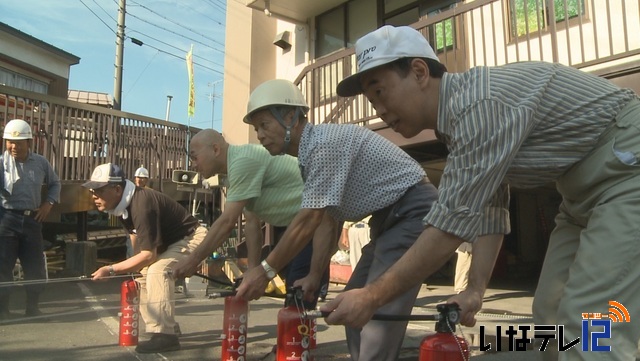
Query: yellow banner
pixel 191 108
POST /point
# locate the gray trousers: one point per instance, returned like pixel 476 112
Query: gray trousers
pixel 393 231
pixel 593 252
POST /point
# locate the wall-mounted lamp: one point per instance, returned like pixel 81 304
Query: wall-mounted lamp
pixel 282 40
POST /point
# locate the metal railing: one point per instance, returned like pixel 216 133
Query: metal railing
pixel 580 33
pixel 76 137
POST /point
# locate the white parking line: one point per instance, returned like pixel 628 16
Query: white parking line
pixel 112 323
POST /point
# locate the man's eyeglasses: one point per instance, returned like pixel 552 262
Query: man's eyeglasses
pixel 100 191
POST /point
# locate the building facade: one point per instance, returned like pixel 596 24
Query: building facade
pixel 311 43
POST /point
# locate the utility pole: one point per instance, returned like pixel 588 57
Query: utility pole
pixel 213 96
pixel 117 86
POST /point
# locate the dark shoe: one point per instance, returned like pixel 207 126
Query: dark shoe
pixel 4 315
pixel 35 315
pixel 33 312
pixel 271 356
pixel 159 342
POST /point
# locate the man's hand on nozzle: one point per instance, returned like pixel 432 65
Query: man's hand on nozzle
pixel 254 282
pixel 470 302
pixel 353 308
pixel 185 267
pixel 309 285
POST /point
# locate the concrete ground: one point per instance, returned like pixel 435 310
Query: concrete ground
pixel 82 323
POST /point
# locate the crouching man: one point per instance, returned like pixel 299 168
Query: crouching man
pixel 162 232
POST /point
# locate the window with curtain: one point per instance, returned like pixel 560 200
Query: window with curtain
pixel 13 79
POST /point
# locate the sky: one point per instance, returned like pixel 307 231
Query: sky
pixel 151 72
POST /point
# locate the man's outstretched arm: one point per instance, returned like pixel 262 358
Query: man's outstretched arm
pixel 217 234
pixel 354 308
pixel 297 235
pixel 325 242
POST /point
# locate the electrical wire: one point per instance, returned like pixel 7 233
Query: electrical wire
pixel 208 17
pixel 178 24
pixel 165 43
pixel 175 33
pixel 99 18
pixel 182 58
pixel 139 76
pixel 175 47
pixel 105 11
pixel 215 5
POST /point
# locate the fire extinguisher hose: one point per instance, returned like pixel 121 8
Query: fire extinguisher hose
pixel 222 293
pixel 451 313
pixel 319 314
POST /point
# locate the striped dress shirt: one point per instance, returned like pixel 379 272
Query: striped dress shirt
pixel 521 124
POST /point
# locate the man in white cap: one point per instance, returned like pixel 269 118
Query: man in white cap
pixel 162 231
pixel 524 124
pixel 141 177
pixel 22 211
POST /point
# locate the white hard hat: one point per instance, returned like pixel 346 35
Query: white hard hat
pixel 275 92
pixel 141 172
pixel 17 129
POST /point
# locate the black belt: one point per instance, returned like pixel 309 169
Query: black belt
pixel 22 212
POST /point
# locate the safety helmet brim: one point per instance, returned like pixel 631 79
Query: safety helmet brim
pixel 276 92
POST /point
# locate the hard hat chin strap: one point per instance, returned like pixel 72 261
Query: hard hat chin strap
pixel 287 128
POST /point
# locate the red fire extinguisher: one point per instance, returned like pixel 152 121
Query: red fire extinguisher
pixel 129 300
pixel 234 329
pixel 444 345
pixel 296 333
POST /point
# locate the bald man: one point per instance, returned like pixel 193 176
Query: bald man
pixel 264 188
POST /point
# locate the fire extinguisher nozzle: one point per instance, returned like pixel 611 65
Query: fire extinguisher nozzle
pixel 314 314
pixel 221 294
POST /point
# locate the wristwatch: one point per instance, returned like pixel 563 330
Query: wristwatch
pixel 52 202
pixel 111 271
pixel 271 273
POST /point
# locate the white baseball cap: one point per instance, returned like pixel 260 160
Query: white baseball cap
pixel 105 174
pixel 382 46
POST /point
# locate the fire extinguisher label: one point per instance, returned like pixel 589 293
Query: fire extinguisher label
pixel 234 337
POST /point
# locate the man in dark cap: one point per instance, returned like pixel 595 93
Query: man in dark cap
pixel 162 232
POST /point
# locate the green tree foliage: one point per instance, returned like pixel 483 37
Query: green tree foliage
pixel 530 16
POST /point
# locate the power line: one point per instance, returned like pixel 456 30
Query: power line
pixel 178 24
pixel 175 33
pixel 172 46
pixel 214 5
pixel 180 57
pixel 96 15
pixel 139 76
pixel 105 11
pixel 208 17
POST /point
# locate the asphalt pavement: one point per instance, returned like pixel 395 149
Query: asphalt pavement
pixel 81 323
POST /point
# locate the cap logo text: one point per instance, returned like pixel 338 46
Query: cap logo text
pixel 362 57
